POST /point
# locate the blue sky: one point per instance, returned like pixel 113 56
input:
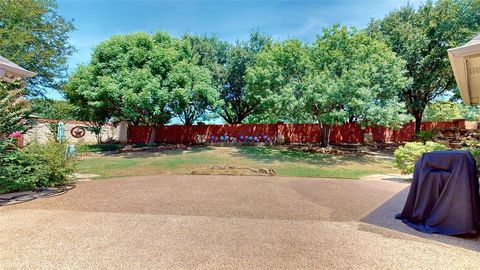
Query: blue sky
pixel 231 20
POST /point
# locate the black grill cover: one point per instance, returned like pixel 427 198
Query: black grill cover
pixel 444 195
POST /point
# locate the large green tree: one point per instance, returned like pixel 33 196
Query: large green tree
pixel 279 74
pixel 209 52
pixel 90 99
pixel 192 92
pixel 442 111
pixel 35 36
pixel 237 105
pixel 346 76
pixel 124 78
pixel 53 109
pixel 227 65
pixel 145 79
pixel 445 110
pixel 422 37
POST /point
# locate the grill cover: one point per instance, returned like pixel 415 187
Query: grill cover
pixel 444 195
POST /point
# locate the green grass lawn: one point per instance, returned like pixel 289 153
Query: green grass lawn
pixel 98 147
pixel 284 162
pixel 95 148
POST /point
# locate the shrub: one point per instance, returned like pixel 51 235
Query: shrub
pixel 34 166
pixel 17 170
pixel 406 156
pixel 476 154
pixel 473 146
pixel 425 136
pixel 98 147
pixel 56 168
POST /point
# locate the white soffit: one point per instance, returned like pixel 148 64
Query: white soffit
pixel 10 71
pixel 465 61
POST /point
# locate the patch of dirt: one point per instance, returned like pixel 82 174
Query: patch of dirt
pixel 160 148
pixel 128 150
pixel 315 149
pixel 81 177
pixel 380 151
pixel 231 170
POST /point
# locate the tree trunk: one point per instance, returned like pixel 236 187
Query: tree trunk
pixel 418 121
pixel 97 129
pixel 188 118
pixel 153 135
pixel 325 133
pixel 98 136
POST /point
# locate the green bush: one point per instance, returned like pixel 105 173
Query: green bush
pixel 56 168
pixel 17 169
pixel 472 144
pixel 34 166
pixel 98 147
pixel 476 154
pixel 425 136
pixel 406 156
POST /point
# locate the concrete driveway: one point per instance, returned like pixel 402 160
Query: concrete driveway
pixel 224 222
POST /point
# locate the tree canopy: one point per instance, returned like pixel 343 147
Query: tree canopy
pixel 346 76
pixel 276 79
pixel 227 64
pixel 192 92
pixel 422 37
pixel 446 110
pixel 373 76
pixel 146 79
pixel 237 105
pixel 53 109
pixel 35 36
pixel 14 108
pixel 210 53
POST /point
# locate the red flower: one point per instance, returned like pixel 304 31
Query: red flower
pixel 15 135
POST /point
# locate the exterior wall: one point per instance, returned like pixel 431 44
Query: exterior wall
pixel 288 133
pixel 41 132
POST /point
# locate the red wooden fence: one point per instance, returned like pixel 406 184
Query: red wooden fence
pixel 292 133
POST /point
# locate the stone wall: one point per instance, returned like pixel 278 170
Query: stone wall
pixel 40 132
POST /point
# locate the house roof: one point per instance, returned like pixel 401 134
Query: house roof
pixel 465 61
pixel 10 70
pixel 474 40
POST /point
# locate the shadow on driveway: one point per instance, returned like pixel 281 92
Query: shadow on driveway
pixel 384 216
